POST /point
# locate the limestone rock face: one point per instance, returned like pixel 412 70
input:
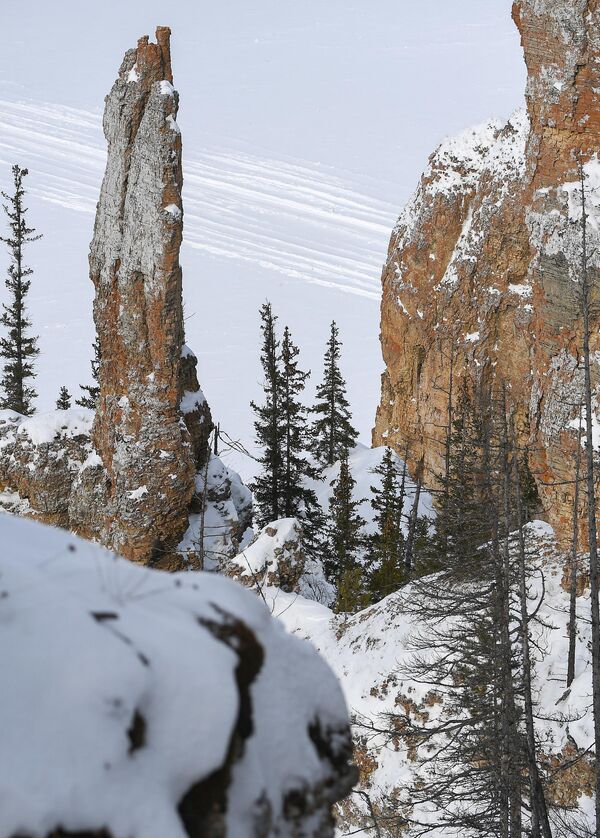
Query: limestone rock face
pixel 148 453
pixel 486 259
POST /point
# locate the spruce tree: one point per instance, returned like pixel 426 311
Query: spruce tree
pixel 93 390
pixel 297 500
pixel 387 543
pixel 344 542
pixel 460 528
pixel 270 430
pixel 18 347
pixel 332 431
pixel 64 399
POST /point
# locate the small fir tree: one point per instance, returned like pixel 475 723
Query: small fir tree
pixel 18 347
pixel 344 542
pixel 270 430
pixel 92 390
pixel 387 543
pixel 332 431
pixel 297 500
pixel 64 399
pixel 460 528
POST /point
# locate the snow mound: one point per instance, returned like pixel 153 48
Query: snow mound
pixel 44 428
pixel 140 702
pixel 223 518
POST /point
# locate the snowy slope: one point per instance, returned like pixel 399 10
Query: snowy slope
pixel 362 462
pixel 367 650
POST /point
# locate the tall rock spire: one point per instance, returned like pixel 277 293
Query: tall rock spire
pixel 149 455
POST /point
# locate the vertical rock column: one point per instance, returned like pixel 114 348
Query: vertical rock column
pixel 561 44
pixel 152 424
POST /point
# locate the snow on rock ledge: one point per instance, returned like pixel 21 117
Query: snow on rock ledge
pixel 274 558
pixel 173 704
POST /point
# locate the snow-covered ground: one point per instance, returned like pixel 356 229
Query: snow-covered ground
pixel 368 650
pixel 122 688
pixel 305 129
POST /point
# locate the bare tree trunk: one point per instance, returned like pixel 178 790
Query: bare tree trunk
pixel 591 497
pixel 540 824
pixel 401 499
pixel 510 727
pixel 572 630
pixel 201 534
pixel 412 524
pixel 490 503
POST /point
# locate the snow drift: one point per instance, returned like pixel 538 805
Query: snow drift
pixel 152 705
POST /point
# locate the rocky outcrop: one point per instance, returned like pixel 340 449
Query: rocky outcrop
pixel 484 261
pixel 133 482
pixel 275 557
pixel 194 714
pixel 148 454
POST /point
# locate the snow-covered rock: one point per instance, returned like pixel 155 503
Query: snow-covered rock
pixel 274 557
pixel 151 705
pixel 220 516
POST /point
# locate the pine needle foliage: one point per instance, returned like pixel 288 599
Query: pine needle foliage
pixel 281 489
pixel 344 542
pixel 63 401
pixel 92 391
pixel 332 431
pixel 386 548
pixel 18 346
pixel 269 429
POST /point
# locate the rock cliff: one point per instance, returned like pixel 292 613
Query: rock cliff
pixel 486 259
pixel 133 479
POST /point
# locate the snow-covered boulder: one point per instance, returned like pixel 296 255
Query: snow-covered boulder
pixel 141 704
pixel 220 515
pixel 40 457
pixel 274 557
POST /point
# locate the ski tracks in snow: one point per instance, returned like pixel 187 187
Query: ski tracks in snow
pixel 292 217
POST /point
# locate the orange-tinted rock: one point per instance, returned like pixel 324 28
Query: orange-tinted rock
pixel 488 251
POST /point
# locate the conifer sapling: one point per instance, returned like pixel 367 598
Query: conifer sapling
pixel 93 390
pixel 17 346
pixel 332 430
pixel 64 399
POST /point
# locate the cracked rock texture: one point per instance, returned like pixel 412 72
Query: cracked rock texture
pixel 486 257
pixel 131 482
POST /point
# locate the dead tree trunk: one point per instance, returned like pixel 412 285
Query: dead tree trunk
pixel 591 494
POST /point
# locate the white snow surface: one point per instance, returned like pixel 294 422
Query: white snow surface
pixel 43 428
pixel 87 640
pixel 227 500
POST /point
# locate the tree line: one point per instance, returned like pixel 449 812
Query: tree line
pixel 297 443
